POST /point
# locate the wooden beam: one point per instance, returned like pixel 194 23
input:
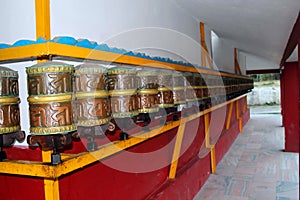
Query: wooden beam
pixel 237 113
pixel 177 148
pixel 202 42
pixel 204 50
pixel 229 116
pixel 292 42
pixel 245 105
pixel 237 68
pixel 208 144
pixel 263 71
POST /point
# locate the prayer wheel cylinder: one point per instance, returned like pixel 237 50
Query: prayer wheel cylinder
pixel 179 93
pixel 165 89
pixel 92 103
pixel 189 87
pixel 9 101
pixel 147 91
pixel 50 89
pixel 123 92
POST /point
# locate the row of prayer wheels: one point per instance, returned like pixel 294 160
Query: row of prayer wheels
pixel 63 98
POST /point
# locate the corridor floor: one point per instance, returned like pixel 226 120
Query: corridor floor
pixel 256 167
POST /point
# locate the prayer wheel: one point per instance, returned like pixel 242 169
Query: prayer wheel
pixel 50 95
pixel 10 129
pixel 9 101
pixel 92 103
pixel 123 92
pixel 179 93
pixel 147 91
pixel 50 89
pixel 165 89
pixel 190 84
pixel 123 97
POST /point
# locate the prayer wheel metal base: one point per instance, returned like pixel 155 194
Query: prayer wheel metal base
pixel 2 155
pixel 57 142
pixel 92 132
pixel 124 124
pixel 8 139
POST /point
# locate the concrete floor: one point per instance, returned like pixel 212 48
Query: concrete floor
pixel 256 167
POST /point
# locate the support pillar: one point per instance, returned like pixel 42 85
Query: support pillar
pixel 290 105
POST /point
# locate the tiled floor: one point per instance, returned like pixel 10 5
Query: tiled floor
pixel 256 167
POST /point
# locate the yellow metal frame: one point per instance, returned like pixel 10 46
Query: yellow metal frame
pixel 72 162
pixel 52 49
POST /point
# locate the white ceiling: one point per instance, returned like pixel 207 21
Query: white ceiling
pixel 259 27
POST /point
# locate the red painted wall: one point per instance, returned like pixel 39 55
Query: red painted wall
pixel 290 105
pixel 121 176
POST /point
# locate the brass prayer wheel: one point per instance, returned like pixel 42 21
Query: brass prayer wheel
pixel 165 89
pixel 205 84
pixel 123 92
pixel 179 93
pixel 50 89
pixel 148 101
pixel 9 101
pixel 92 103
pixel 147 91
pixel 190 84
pixel 198 86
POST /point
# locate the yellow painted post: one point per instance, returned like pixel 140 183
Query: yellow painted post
pixel 245 105
pixel 177 147
pixel 204 50
pixel 206 130
pixel 229 116
pixel 202 41
pixel 237 68
pixel 240 121
pixel 42 17
pixel 213 160
pixel 51 186
pixel 208 145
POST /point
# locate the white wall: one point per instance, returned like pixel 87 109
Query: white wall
pixel 223 53
pixel 133 25
pixel 242 62
pixel 254 62
pixel 160 28
pixel 17 20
